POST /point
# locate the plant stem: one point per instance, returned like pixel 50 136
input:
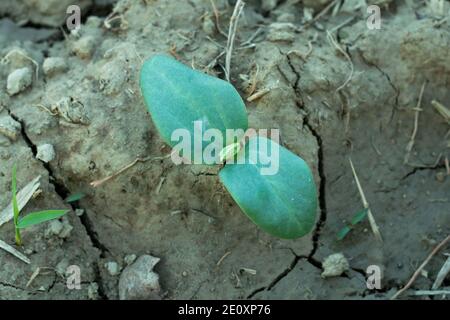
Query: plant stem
pixel 18 237
pixel 16 210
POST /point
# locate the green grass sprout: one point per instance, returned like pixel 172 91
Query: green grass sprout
pixel 32 218
pixel 75 197
pixel 357 218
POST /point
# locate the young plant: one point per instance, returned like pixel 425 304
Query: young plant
pixel 32 218
pixel 283 204
pixel 357 218
pixel 74 197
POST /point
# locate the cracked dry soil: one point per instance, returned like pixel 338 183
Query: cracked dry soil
pixel 190 221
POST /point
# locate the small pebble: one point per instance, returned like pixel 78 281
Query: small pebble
pixel 18 81
pixel 440 176
pixel 54 65
pixel 66 231
pixel 4 142
pixel 113 268
pixel 57 228
pixel 84 47
pixel 45 153
pixel 208 25
pixel 138 281
pixel 9 127
pixel 281 31
pixel 62 266
pixel 334 265
pixel 129 259
pixel 54 228
pixel 268 5
pixel 92 291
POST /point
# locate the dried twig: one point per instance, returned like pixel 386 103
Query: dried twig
pixel 373 224
pixel 443 111
pixel 248 42
pixel 261 93
pixel 223 258
pixel 412 140
pixel 447 166
pixel 442 274
pixel 214 61
pixel 14 252
pixel 333 41
pixel 217 17
pixel 19 52
pixel 426 166
pixel 431 292
pixel 416 274
pixel 321 14
pixel 253 81
pixel 161 181
pixel 33 276
pixel 113 16
pixel 97 183
pixel 248 270
pixel 343 24
pixel 232 35
pixel 258 94
pixel 23 196
pixel 305 56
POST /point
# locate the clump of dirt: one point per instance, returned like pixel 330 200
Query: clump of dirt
pixel 334 88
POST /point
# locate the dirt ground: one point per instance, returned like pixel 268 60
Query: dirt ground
pixel 337 90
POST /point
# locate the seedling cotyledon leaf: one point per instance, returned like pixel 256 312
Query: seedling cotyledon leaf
pixel 177 96
pixel 282 203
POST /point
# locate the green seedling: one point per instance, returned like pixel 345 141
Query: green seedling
pixel 357 218
pixel 32 218
pixel 75 197
pixel 283 204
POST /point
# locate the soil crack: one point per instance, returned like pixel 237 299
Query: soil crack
pixel 417 169
pixel 388 78
pixel 63 192
pixel 320 155
pixel 9 285
pixel 278 278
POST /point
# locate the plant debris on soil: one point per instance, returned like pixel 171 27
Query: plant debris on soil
pixel 71 113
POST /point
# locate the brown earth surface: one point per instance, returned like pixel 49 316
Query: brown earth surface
pixel 338 90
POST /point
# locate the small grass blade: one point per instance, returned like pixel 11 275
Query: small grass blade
pixel 14 191
pixel 39 217
pixel 358 217
pixel 75 197
pixel 16 210
pixel 343 232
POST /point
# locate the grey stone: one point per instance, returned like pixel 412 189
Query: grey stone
pixel 138 281
pixel 54 65
pixel 45 153
pixel 9 127
pixel 18 80
pixel 129 259
pixel 112 267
